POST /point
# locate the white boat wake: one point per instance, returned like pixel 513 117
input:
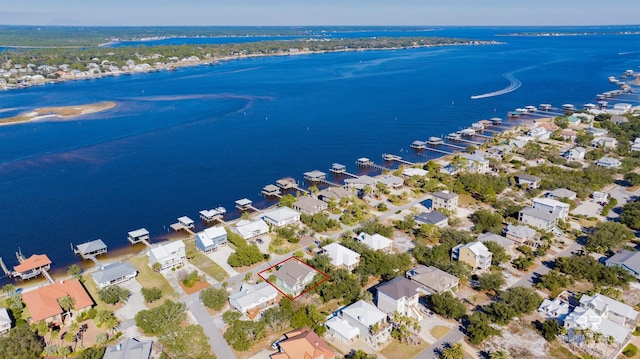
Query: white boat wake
pixel 514 84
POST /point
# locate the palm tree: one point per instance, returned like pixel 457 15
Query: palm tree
pixel 67 303
pixel 587 334
pixel 452 352
pixel 610 341
pixel 111 323
pixel 597 339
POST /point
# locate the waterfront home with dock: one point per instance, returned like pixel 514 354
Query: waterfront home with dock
pixel 360 182
pixel 211 239
pixel 114 273
pixel 251 229
pixel 281 216
pixel 315 176
pixel 167 255
pixel 334 193
pixel 271 190
pixel 244 204
pixel 42 302
pixel 31 267
pixel 211 215
pixel 91 249
pixel 309 205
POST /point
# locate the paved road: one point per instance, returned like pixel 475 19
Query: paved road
pixel 527 280
pixel 454 336
pixel 216 340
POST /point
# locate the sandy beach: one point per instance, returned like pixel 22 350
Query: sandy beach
pixel 62 112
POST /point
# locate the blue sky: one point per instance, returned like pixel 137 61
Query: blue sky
pixel 319 12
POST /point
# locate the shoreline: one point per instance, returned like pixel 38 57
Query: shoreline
pixel 212 61
pixel 64 113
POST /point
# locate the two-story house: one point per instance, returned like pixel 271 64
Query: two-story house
pixel 341 256
pixel 445 200
pixel 552 206
pixel 302 344
pixel 281 216
pixel 251 229
pixel 399 295
pixel 293 276
pixel 520 234
pixel 168 255
pixel 475 254
pixel 529 180
pixel 376 242
pixel 5 321
pixel 252 300
pixel 432 280
pixel 626 259
pixel 211 239
pixel 365 321
pixel 114 273
pixel 535 217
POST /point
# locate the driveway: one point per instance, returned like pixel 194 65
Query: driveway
pixel 454 336
pixel 134 304
pixel 220 257
pixel 213 333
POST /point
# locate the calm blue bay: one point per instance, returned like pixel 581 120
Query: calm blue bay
pixel 196 138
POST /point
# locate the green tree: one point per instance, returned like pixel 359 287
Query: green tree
pixel 491 281
pixel 151 294
pixel 92 353
pixel 163 319
pixel 498 253
pixel 214 298
pixel 287 201
pixel 631 215
pixel 487 221
pixel 74 271
pixel 632 178
pixel 607 236
pixel 447 306
pixel 478 328
pixel 550 329
pixel 499 354
pixel 188 342
pixel 67 303
pixel 452 351
pixel 113 294
pixel 21 343
pixel 359 354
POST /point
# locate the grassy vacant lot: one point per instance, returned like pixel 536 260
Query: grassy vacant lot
pixel 397 350
pixel 440 331
pixel 561 352
pixel 148 278
pixel 203 262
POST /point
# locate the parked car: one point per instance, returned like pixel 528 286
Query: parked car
pixel 259 240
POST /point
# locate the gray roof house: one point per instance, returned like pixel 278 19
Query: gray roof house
pixel 520 234
pixel 504 242
pixel 529 180
pixel 293 276
pixel 626 259
pixel 309 205
pixel 432 280
pixel 254 299
pixel 399 295
pixel 132 349
pixel 335 193
pixel 560 193
pixel 445 199
pixel 538 218
pixel 436 218
pixel 92 248
pixel 391 181
pixel 114 273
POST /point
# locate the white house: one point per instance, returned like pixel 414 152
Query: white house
pixel 554 309
pixel 604 142
pixel 360 182
pixel 281 216
pixel 399 295
pixel 538 218
pixel 253 299
pixel 475 254
pixel 609 162
pixel 211 239
pixel 169 255
pixel 575 154
pixel 5 321
pixel 341 256
pixel 114 273
pixel 539 133
pixel 251 229
pixel 365 318
pixel 390 181
pixel 530 180
pixel 552 206
pixel 477 162
pixel 504 242
pixel 611 309
pixel 376 242
pixel 411 171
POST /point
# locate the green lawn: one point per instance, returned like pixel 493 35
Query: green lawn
pixel 148 278
pixel 203 262
pixel 561 352
pixel 397 350
pixel 440 331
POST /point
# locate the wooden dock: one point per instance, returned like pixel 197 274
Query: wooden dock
pixel 439 151
pixel 181 227
pixel 469 141
pixel 37 265
pixel 365 162
pixel 390 157
pixel 454 146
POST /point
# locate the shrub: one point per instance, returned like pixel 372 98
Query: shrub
pixel 191 279
pixel 113 294
pixel 214 298
pixel 151 294
pixel 630 350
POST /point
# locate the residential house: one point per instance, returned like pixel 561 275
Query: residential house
pixel 635 146
pixel 42 302
pixel 114 273
pixel 252 300
pixel 575 154
pixel 568 135
pixel 168 255
pixel 281 216
pixel 391 182
pixel 611 309
pixel 251 229
pixel 504 242
pixel 626 259
pixel 609 162
pixel 399 295
pixel 618 119
pixel 432 280
pixel 370 322
pixel 211 239
pixel 545 220
pixel 360 182
pixel 309 205
pixel 552 206
pixel 376 242
pixel 341 256
pixel 520 234
pixel 303 344
pixel 476 162
pixel 446 200
pixel 560 193
pixel 435 218
pixel 539 133
pixel 600 197
pixel 475 254
pixel 5 321
pixel 293 276
pixel 598 132
pixel 334 193
pixel 411 171
pixel 528 180
pixel 32 266
pixel 132 348
pixel 604 142
pixel 554 309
